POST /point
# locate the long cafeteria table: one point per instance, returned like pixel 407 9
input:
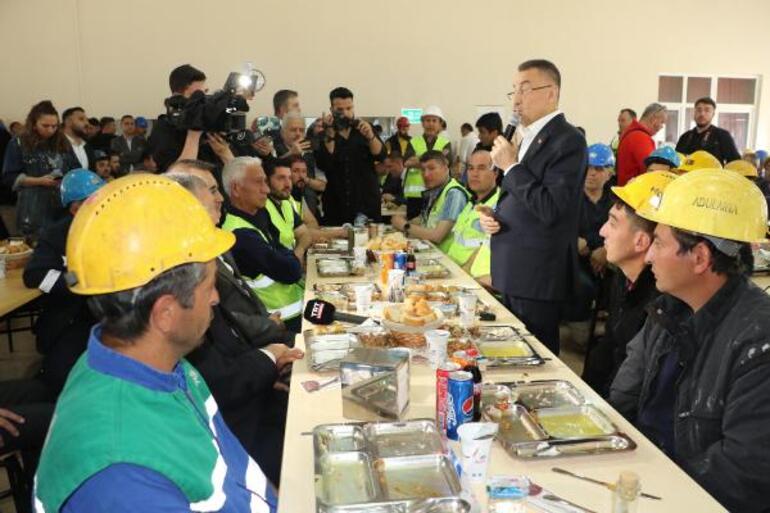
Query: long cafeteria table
pixel 659 475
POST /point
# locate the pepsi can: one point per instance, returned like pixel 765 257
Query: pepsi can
pixel 400 261
pixel 459 402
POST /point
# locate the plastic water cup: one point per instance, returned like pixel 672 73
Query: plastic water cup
pixel 359 256
pixel 467 305
pixel 437 341
pixel 363 298
pixel 476 444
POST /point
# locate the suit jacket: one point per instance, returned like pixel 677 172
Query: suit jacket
pixel 534 256
pixel 132 157
pixel 244 310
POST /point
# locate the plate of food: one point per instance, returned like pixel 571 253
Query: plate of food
pixel 414 315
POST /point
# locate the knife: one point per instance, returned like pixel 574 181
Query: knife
pixel 610 486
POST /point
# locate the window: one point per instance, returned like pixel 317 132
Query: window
pixel 736 99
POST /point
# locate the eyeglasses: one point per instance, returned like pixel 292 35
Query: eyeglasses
pixel 525 90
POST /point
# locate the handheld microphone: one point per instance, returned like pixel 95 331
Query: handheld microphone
pixel 323 312
pixel 510 129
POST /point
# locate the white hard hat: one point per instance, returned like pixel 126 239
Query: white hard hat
pixel 432 110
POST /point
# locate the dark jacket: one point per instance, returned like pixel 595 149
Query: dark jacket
pixel 714 140
pixel 721 407
pixel 627 308
pixel 129 156
pixel 37 206
pixel 65 322
pixel 352 187
pixel 242 308
pixel 534 256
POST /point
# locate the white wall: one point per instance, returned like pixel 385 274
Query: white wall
pixel 113 56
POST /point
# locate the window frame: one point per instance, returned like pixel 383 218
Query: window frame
pixel 686 123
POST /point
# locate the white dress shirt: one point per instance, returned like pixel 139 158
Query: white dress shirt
pixel 80 151
pixel 530 132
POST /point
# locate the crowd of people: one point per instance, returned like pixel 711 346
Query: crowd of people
pixel 172 261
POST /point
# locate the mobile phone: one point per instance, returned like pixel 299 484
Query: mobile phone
pixel 486 210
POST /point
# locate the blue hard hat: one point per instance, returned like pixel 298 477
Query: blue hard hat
pixel 761 155
pixel 79 184
pixel 663 155
pixel 600 155
pixel 140 122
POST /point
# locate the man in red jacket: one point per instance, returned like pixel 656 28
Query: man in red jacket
pixel 636 142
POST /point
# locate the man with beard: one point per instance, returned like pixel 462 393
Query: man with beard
pixel 136 428
pixel 286 221
pixel 708 137
pixel 75 128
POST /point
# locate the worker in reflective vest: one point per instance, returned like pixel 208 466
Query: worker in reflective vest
pixel 444 200
pixel 430 139
pixel 293 233
pixel 470 245
pixel 273 271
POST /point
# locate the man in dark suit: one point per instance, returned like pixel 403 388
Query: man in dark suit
pixel 535 225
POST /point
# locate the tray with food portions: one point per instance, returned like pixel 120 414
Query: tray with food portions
pixel 547 419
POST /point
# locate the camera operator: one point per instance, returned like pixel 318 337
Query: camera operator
pixel 170 143
pixel 347 157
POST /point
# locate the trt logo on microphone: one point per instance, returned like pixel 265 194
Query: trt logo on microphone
pixel 317 311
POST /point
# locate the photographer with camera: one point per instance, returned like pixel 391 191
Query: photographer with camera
pixel 190 112
pixel 347 157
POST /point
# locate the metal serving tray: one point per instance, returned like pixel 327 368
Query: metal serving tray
pixel 445 505
pixel 432 269
pixel 333 247
pixel 536 395
pixel 413 437
pixel 324 352
pixel 559 448
pixel 493 342
pixel 416 477
pixel 530 408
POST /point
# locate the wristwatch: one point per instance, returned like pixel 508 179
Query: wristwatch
pixel 406 229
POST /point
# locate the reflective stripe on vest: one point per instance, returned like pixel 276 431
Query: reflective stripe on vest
pixel 296 205
pixel 413 183
pixel 277 297
pixel 438 206
pixel 482 264
pixel 467 238
pixel 283 221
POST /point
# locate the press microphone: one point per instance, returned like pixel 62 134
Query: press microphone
pixel 318 311
pixel 510 129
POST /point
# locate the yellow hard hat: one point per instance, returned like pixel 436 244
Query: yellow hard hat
pixel 135 228
pixel 711 203
pixel 743 167
pixel 638 191
pixel 700 159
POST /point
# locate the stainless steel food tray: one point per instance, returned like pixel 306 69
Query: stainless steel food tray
pixel 384 467
pixel 532 405
pixel 491 340
pixel 324 352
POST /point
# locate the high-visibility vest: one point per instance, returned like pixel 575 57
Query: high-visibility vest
pixel 467 238
pixel 438 205
pixel 277 297
pixel 296 205
pixel 482 265
pixel 283 221
pixel 413 182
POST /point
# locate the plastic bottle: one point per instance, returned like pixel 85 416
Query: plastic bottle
pixel 625 497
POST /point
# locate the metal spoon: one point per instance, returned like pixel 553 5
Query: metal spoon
pixel 314 385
